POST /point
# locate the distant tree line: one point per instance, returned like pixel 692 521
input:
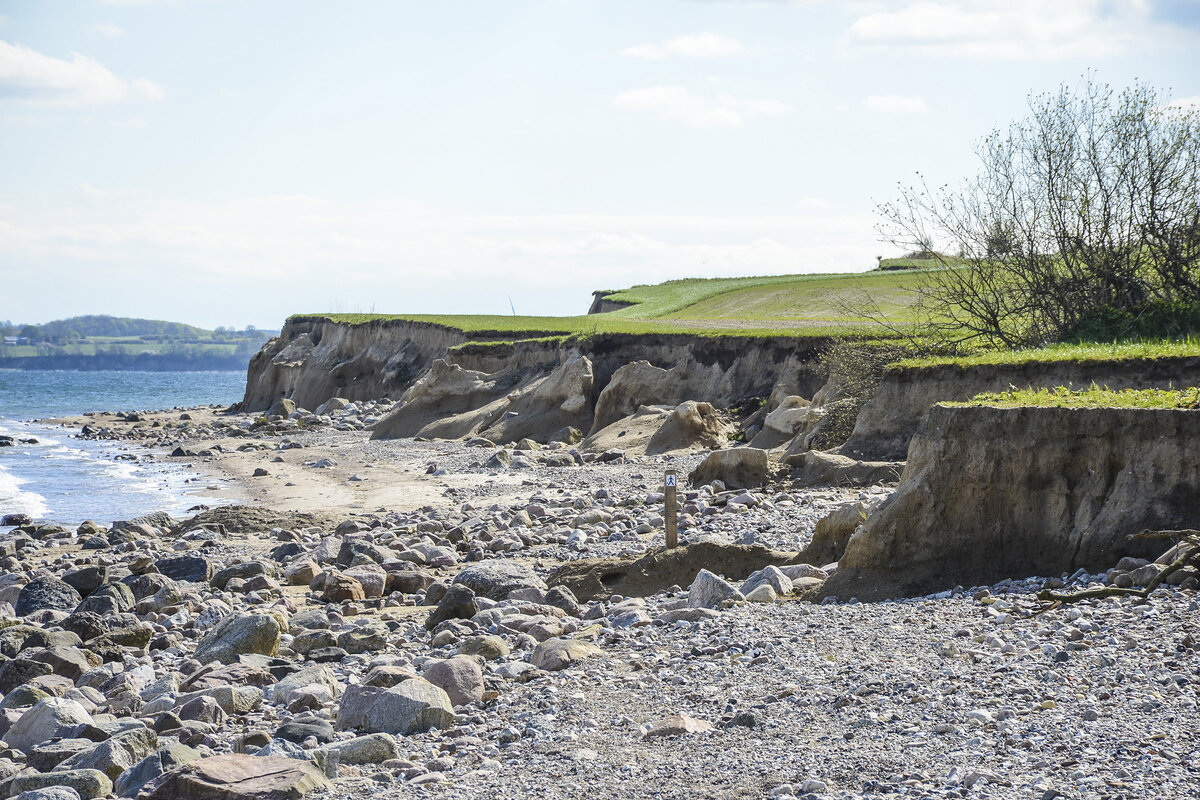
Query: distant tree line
pixel 67 331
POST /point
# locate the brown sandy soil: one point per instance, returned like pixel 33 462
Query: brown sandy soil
pixel 393 473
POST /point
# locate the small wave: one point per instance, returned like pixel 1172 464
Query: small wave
pixel 14 500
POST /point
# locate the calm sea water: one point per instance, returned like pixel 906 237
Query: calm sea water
pixel 67 480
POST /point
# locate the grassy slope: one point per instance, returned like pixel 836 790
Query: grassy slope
pixel 781 305
pixel 1066 352
pixel 1094 397
pixel 707 307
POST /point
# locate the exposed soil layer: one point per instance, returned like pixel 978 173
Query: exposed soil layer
pixel 660 568
pixel 993 493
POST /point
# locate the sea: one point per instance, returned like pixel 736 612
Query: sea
pixel 54 476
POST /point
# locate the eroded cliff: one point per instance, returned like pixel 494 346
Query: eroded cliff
pixel 314 359
pixel 994 493
pixel 450 387
pixel 888 421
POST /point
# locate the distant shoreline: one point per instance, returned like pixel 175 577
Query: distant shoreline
pixel 144 362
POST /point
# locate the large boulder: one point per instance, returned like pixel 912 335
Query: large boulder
pixel 710 591
pixel 816 468
pixel 457 603
pixel 283 407
pixel 688 426
pixel 115 755
pixel 240 634
pixel 994 493
pixel 739 468
pixel 640 383
pixel 771 576
pixel 558 654
pixel 194 569
pixel 45 593
pixel 48 719
pixel 87 783
pixel 310 675
pixel 411 706
pixel 168 758
pixel 108 599
pixel 237 777
pixel 459 677
pixel 372 748
pixel 495 578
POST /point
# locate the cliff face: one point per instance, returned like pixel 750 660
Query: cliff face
pixel 314 359
pixel 992 493
pixel 887 423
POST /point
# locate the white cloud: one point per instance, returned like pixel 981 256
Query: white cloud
pixel 678 104
pixel 896 104
pixel 109 30
pixel 28 75
pixel 1013 29
pixel 701 45
pixel 276 252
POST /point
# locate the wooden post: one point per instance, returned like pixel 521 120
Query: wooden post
pixel 672 525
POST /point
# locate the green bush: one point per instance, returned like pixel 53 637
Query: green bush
pixel 1162 319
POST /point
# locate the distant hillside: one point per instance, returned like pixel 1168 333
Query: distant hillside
pixel 103 325
pixel 104 342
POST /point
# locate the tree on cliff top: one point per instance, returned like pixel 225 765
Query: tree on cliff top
pixel 1088 208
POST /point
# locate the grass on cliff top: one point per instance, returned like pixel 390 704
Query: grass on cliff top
pixel 1115 351
pixel 1092 397
pixel 773 306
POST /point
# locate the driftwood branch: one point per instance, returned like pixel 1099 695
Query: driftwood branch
pixel 1185 556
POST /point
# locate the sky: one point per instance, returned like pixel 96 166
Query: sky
pixel 232 162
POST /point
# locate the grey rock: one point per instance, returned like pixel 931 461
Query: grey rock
pixel 239 634
pixel 87 783
pixel 115 755
pixel 494 579
pixel 312 674
pixel 709 591
pixel 372 748
pixel 111 598
pixel 457 603
pixel 409 707
pixel 168 758
pixel 49 719
pixel 195 569
pixel 556 654
pixel 45 593
pixel 302 728
pixel 459 677
pixel 48 755
pixel 768 576
pixel 487 647
pixel 50 793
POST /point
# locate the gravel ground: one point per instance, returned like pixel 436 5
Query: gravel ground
pixel 975 693
pixel 924 698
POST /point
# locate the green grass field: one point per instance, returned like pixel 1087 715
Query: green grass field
pixel 820 305
pixel 781 305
